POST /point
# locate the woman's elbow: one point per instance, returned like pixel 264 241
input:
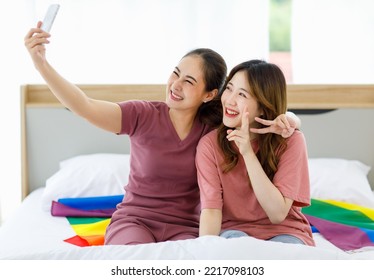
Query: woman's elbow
pixel 277 218
pixel 278 214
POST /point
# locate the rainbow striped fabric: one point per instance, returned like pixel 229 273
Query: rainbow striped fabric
pixel 88 216
pixel 347 226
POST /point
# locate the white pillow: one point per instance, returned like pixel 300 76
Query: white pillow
pixel 340 179
pixel 88 175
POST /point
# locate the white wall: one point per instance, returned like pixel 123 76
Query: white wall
pixel 333 41
pixel 15 16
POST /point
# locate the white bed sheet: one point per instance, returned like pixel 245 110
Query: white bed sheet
pixel 32 233
pixel 30 229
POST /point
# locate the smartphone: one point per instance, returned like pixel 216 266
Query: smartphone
pixel 50 17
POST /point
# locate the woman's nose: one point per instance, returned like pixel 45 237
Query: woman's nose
pixel 231 98
pixel 177 84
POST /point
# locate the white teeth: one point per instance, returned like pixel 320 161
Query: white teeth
pixel 230 112
pixel 176 96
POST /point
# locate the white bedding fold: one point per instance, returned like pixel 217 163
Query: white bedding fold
pixel 203 248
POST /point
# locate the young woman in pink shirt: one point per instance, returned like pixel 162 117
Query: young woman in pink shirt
pixel 253 184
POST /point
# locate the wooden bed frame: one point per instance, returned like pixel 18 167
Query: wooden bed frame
pixel 45 124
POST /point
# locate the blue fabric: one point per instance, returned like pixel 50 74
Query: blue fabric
pixel 286 238
pixel 92 203
pixel 231 233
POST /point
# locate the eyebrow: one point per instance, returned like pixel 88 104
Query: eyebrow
pixel 243 89
pixel 187 76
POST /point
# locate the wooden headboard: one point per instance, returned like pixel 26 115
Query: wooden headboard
pixel 51 133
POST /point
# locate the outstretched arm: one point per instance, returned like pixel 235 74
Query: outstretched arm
pixel 106 115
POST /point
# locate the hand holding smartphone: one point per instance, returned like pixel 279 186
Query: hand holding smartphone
pixel 50 17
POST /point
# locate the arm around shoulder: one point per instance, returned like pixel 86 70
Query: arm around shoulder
pixel 294 119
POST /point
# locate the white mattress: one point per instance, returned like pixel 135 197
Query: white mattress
pixel 32 233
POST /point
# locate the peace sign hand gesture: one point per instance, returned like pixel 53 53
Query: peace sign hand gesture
pixel 241 136
pixel 282 125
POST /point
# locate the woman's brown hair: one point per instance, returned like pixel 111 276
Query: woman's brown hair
pixel 268 85
pixel 215 71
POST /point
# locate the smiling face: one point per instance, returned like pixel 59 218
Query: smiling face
pixel 236 99
pixel 186 85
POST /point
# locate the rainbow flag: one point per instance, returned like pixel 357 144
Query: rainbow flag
pixel 347 226
pixel 88 216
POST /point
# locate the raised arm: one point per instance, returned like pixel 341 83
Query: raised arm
pixel 272 201
pixel 103 114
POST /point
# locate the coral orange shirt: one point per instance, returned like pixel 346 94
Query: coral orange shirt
pixel 232 192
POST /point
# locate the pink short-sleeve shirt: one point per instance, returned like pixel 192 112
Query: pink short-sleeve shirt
pixel 163 174
pixel 232 193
